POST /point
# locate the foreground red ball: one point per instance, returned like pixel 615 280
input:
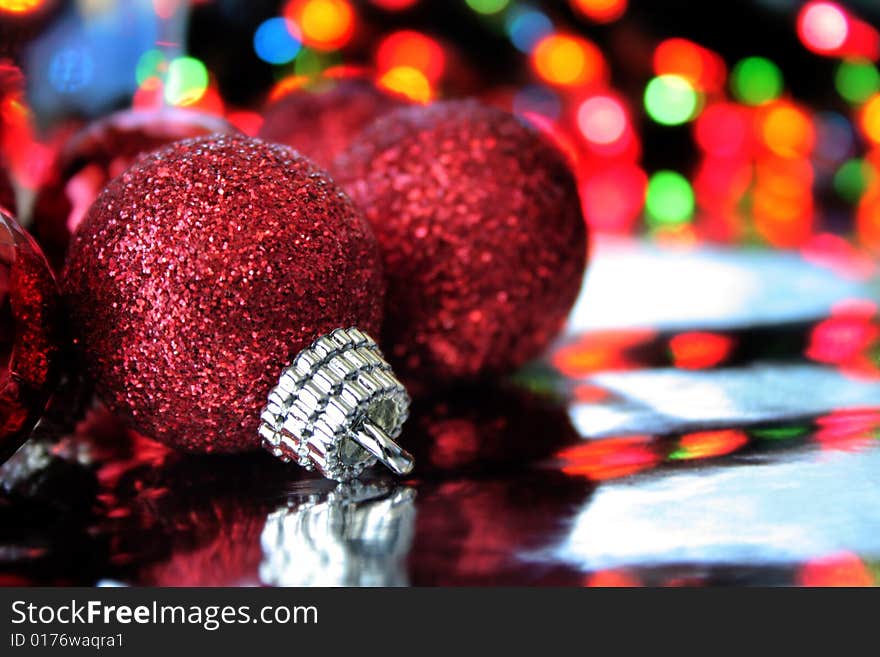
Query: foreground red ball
pixel 200 273
pixel 321 122
pixel 29 330
pixel 481 233
pixel 99 152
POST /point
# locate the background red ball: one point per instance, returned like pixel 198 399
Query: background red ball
pixel 201 272
pixel 99 152
pixel 321 121
pixel 483 241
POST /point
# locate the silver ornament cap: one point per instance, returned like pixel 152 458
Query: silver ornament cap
pixel 338 408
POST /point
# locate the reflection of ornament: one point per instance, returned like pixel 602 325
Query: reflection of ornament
pixel 102 151
pixel 483 429
pixel 320 122
pixel 478 531
pixel 184 520
pixel 29 322
pixel 208 267
pixel 358 534
pixel 483 242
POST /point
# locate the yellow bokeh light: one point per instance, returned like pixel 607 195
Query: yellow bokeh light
pixel 20 6
pixel 409 82
pixel 870 119
pixel 568 60
pixel 325 24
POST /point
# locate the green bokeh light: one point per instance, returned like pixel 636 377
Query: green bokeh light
pixel 186 82
pixel 780 433
pixel 487 6
pixel 852 179
pixel 670 100
pixel 309 63
pixel 857 80
pixel 669 200
pixel 756 80
pixel 149 65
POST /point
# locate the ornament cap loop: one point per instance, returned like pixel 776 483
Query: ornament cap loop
pixel 338 408
pixel 379 444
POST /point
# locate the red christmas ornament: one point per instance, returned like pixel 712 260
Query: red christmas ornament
pixel 102 151
pixel 206 269
pixel 321 122
pixel 29 325
pixel 480 227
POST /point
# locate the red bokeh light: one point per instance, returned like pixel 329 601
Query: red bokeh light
pixel 697 350
pixel 704 69
pixel 411 49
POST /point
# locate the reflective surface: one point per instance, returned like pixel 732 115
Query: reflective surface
pixel 717 424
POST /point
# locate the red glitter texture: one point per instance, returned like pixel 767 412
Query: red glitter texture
pixel 200 273
pixel 321 122
pixel 481 233
pixel 99 152
pixel 29 325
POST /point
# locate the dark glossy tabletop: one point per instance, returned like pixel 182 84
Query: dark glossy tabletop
pixel 711 417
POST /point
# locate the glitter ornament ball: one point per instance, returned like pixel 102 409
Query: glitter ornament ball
pixel 99 152
pixel 201 272
pixel 480 227
pixel 320 122
pixel 29 329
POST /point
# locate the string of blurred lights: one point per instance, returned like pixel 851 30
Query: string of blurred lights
pixel 764 157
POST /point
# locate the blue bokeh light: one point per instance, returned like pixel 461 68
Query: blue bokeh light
pixel 276 42
pixel 526 26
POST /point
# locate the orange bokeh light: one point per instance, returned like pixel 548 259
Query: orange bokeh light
pixel 609 458
pixel 697 350
pixel 325 24
pixel 708 444
pixel 783 221
pixel 701 67
pixel 407 81
pixel 782 201
pixel 568 60
pixel 599 350
pixel 411 49
pixel 287 85
pixel 787 130
pixel 868 221
pixel 870 119
pixel 600 11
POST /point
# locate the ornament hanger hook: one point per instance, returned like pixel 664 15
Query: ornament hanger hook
pixel 378 443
